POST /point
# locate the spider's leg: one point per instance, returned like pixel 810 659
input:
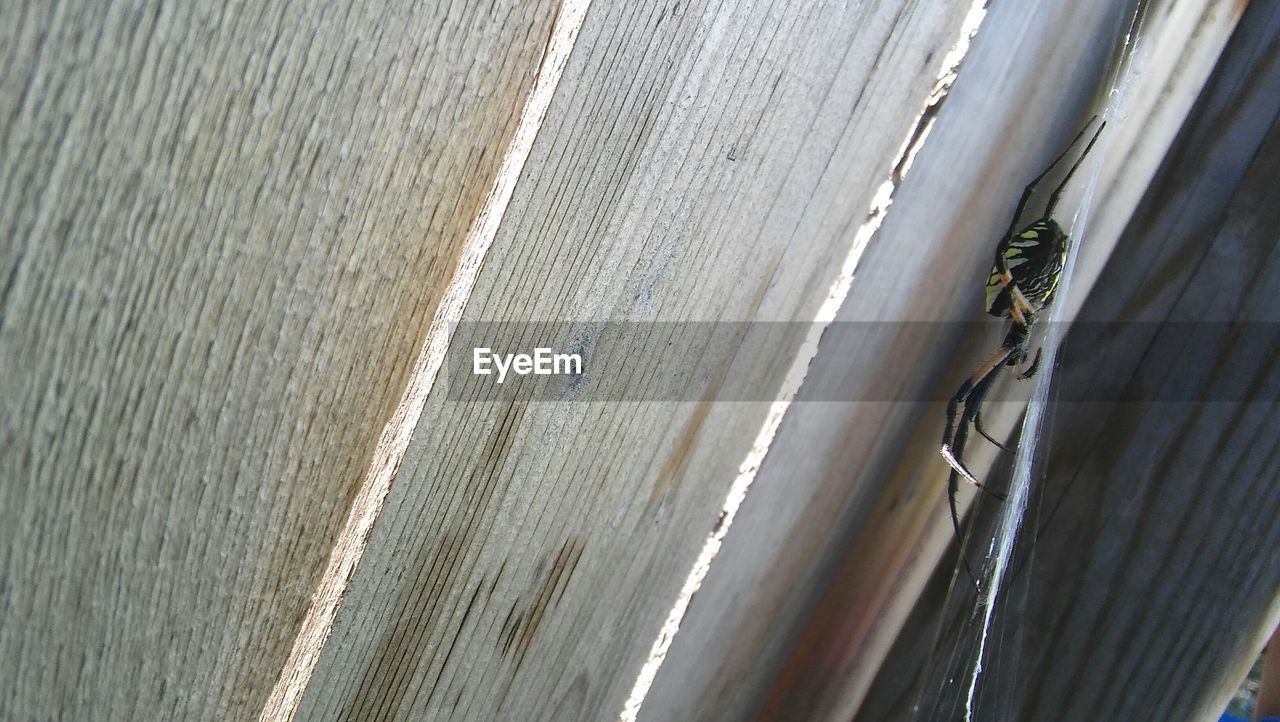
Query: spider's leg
pixel 953 437
pixel 977 424
pixel 1022 205
pixel 949 431
pixel 972 408
pixel 1026 193
pixel 1021 310
pixel 1015 312
pixel 1034 367
pixel 953 488
pixel 1053 198
pixel 952 484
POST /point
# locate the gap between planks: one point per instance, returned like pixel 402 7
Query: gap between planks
pixel 350 544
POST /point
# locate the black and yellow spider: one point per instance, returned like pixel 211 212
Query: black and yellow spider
pixel 1027 268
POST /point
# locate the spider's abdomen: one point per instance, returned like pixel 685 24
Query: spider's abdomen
pixel 1034 258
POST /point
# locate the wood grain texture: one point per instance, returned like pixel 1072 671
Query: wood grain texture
pixel 855 492
pixel 701 162
pixel 223 229
pixel 1156 577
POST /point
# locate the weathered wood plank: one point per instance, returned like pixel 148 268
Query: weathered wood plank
pixel 223 229
pixel 1156 577
pixel 855 492
pixel 701 162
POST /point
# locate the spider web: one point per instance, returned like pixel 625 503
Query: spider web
pixel 983 633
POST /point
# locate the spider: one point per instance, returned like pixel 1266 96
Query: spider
pixel 1028 266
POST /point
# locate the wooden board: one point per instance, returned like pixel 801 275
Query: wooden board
pixel 223 230
pixel 700 162
pixel 1155 575
pixel 224 233
pixel 855 492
